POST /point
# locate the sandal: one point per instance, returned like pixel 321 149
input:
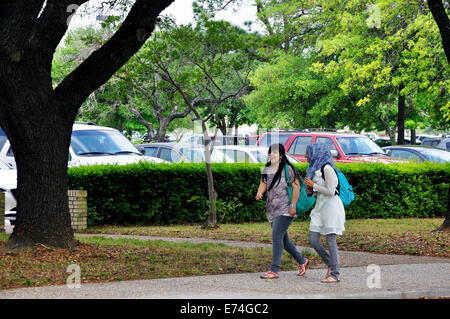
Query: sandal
pixel 328 273
pixel 269 275
pixel 303 267
pixel 329 280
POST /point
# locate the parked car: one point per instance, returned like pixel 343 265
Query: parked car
pixel 439 142
pixel 92 144
pixel 8 184
pixel 219 139
pixel 418 153
pixel 181 152
pixel 251 140
pixel 421 137
pixel 249 154
pixel 386 141
pixel 382 141
pixel 345 147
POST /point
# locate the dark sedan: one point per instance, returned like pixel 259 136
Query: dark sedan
pixel 418 153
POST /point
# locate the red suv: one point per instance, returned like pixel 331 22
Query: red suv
pixel 345 147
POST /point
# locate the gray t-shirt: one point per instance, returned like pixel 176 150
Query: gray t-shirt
pixel 277 198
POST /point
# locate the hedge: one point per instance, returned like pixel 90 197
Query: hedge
pixel 145 193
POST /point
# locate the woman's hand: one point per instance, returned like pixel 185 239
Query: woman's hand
pixel 259 196
pixel 292 212
pixel 309 182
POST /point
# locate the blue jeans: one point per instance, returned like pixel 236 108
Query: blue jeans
pixel 331 259
pixel 280 241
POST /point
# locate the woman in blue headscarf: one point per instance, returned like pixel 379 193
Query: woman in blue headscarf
pixel 328 214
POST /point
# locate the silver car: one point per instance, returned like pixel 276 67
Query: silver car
pixel 8 183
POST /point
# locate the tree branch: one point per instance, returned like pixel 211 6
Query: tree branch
pixel 103 63
pixel 16 22
pixel 443 22
pixel 56 13
pixel 141 120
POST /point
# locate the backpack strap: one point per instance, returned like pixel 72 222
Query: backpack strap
pixel 286 174
pixel 288 180
pixel 337 192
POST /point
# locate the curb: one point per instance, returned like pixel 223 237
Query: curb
pixel 438 292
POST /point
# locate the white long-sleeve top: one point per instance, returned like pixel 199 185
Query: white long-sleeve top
pixel 328 214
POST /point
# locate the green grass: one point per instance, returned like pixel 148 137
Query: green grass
pixel 397 236
pixel 262 230
pixel 106 259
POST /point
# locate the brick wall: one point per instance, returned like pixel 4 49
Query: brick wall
pixel 78 209
pixel 2 212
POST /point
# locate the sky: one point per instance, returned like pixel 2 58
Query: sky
pixel 181 10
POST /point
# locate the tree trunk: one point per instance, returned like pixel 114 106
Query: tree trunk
pixel 40 145
pixel 162 130
pixel 401 117
pixel 42 204
pixel 446 224
pixel 413 136
pixel 212 194
pixel 212 217
pixel 38 118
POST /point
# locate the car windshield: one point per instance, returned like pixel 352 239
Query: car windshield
pixel 355 145
pixel 436 155
pixel 101 142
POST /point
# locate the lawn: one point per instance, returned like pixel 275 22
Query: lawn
pixel 104 260
pixel 411 236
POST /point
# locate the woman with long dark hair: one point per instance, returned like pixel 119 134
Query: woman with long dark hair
pixel 280 211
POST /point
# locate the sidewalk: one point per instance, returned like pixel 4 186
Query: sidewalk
pixel 399 277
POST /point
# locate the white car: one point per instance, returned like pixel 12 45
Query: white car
pixel 91 144
pixel 8 182
pixel 197 155
pixel 439 142
pixel 249 154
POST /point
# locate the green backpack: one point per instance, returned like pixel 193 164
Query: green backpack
pixel 305 202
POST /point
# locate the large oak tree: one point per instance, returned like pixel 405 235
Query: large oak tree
pixel 38 118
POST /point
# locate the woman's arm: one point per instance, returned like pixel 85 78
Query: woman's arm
pixel 331 182
pixel 295 196
pixel 261 189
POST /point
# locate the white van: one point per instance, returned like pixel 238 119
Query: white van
pixel 91 144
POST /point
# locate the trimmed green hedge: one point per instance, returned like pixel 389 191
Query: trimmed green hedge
pixel 147 193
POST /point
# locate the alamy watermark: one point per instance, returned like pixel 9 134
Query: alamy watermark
pixel 374 279
pixel 71 8
pixel 74 279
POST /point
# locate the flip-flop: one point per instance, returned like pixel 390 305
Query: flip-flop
pixel 269 275
pixel 303 268
pixel 330 280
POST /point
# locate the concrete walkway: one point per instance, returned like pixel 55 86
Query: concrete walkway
pixel 363 276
